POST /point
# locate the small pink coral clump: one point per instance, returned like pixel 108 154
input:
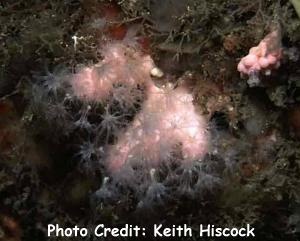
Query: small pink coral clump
pixel 122 64
pixel 263 58
pixel 168 119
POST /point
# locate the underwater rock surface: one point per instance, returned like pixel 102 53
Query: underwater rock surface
pixel 115 110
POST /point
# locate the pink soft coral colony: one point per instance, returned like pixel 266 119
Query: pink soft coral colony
pixel 262 58
pixel 167 120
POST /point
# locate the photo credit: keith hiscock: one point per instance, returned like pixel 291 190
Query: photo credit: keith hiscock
pixel 158 230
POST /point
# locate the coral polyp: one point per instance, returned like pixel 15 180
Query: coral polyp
pixel 111 124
